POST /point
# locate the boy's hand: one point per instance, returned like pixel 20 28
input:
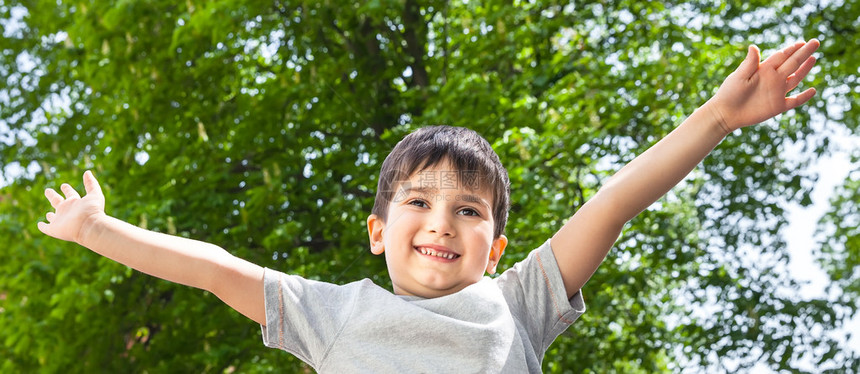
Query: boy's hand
pixel 73 213
pixel 756 90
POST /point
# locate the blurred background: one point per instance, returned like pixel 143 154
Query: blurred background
pixel 261 126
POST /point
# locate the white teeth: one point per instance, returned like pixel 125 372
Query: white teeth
pixel 432 252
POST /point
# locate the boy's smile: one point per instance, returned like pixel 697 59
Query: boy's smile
pixel 438 238
pixel 437 252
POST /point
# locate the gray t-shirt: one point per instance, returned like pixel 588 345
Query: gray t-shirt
pixel 496 325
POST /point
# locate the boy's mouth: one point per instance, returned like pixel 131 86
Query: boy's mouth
pixel 436 252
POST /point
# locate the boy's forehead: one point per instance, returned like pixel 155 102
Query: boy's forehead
pixel 443 178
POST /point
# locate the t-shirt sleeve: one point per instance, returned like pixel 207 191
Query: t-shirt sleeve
pixel 536 295
pixel 304 317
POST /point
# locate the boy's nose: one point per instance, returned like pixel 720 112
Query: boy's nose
pixel 441 225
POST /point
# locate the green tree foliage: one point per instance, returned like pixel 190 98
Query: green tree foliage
pixel 261 126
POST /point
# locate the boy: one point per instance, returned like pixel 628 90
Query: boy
pixel 438 218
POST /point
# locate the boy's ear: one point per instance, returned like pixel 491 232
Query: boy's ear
pixel 496 252
pixel 375 226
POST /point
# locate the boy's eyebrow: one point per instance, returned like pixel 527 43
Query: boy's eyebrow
pixel 465 197
pixel 475 199
pixel 421 190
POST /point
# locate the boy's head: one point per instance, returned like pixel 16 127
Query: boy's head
pixel 469 155
pixel 440 211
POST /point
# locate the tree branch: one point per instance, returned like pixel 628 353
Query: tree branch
pixel 414 36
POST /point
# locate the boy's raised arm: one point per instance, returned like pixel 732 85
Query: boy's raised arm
pixel 237 282
pixel 753 93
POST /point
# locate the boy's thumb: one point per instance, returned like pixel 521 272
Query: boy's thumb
pixel 91 185
pixel 750 64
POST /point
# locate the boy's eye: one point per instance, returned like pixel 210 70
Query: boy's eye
pixel 418 203
pixel 469 212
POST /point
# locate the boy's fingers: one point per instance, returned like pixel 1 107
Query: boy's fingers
pixel 750 64
pixel 43 227
pixel 69 191
pixel 799 57
pixel 53 197
pixel 795 101
pixel 775 60
pixel 49 216
pixel 91 185
pixel 795 79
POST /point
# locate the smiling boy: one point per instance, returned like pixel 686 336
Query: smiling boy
pixel 437 240
pixel 443 227
pixel 439 236
pixel 439 215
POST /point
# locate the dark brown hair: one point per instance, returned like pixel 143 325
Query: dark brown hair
pixel 470 154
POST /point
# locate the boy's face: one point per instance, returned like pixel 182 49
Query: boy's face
pixel 438 236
